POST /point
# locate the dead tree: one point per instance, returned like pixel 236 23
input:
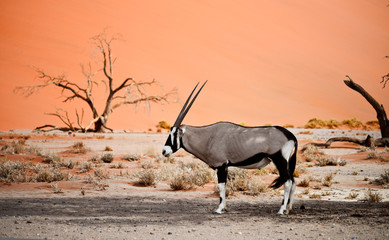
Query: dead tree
pixel 385 78
pixel 127 92
pixel 381 116
pixel 379 108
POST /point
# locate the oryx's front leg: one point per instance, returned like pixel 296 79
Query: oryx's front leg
pixel 222 181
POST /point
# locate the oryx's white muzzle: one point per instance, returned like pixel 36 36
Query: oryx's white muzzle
pixel 167 151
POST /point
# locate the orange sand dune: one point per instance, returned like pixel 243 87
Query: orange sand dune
pixel 266 61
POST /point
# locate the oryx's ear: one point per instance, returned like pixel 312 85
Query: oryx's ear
pixel 186 107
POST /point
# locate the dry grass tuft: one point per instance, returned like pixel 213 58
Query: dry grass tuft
pixel 79 147
pixel 107 157
pixel 14 171
pixel 54 187
pixel 163 125
pixel 315 196
pixel 108 149
pixel 352 195
pixel 49 174
pixel 16 147
pixel 304 183
pixel 131 157
pixel 328 180
pixel 371 196
pixel 382 180
pixel 147 178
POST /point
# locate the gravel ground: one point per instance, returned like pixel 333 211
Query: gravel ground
pixel 135 217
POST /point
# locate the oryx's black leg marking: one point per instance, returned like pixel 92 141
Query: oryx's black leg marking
pixel 222 181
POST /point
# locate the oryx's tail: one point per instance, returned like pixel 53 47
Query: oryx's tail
pixel 286 169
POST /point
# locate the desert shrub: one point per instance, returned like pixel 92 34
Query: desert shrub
pixel 189 175
pixel 237 180
pixel 70 164
pixel 298 171
pixel 256 187
pixel 372 155
pixel 107 157
pixel 118 166
pixel 52 158
pixel 240 180
pixel 11 171
pixel 310 152
pixel 163 125
pixel 352 195
pixel 373 124
pixel 182 182
pixel 315 196
pixel 16 147
pixel 49 174
pixel 371 196
pixel 100 174
pixel 304 183
pixel 288 126
pixel 147 165
pixel 79 147
pixel 383 179
pixel 147 178
pixel 34 150
pixel 314 123
pixel 108 149
pixel 327 181
pixel 353 123
pixel 199 172
pixel 327 161
pixel 55 189
pixel 86 167
pixel 131 157
pixel 95 159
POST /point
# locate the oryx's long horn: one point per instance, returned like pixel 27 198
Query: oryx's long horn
pixel 185 109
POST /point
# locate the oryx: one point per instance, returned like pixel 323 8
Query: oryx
pixel 225 144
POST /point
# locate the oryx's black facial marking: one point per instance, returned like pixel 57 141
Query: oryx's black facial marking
pixel 173 142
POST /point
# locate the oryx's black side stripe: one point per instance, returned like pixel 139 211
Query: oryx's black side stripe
pixel 252 160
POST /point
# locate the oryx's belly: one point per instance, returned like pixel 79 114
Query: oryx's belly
pixel 257 161
pixel 258 165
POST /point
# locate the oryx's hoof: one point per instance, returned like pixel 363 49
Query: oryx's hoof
pixel 220 211
pixel 285 212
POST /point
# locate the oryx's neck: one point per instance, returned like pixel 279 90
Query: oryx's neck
pixel 195 140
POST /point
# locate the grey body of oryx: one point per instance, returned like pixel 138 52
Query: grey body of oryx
pixel 224 144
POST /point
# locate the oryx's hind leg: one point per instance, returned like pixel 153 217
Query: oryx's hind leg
pixel 291 197
pixel 286 164
pixel 287 189
pixel 222 181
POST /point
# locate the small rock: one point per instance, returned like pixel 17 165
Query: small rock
pixel 169 233
pixel 239 233
pixel 291 229
pixel 28 221
pixel 16 222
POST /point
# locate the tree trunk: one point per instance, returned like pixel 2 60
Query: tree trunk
pixel 99 126
pixel 379 108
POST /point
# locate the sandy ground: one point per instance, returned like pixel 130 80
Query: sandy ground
pixel 121 210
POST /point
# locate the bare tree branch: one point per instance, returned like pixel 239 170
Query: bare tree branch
pixel 128 91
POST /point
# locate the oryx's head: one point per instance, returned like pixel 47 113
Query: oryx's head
pixel 173 142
